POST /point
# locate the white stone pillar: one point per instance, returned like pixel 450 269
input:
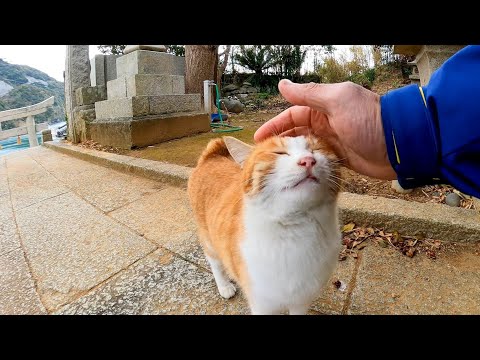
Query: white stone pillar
pixel 32 134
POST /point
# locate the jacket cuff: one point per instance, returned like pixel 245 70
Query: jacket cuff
pixel 410 137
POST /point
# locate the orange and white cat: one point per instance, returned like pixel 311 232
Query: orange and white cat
pixel 267 219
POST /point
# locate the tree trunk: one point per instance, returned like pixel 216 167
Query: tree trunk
pixel 223 66
pixel 201 63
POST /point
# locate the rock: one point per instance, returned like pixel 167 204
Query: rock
pixel 452 199
pixel 234 106
pixel 246 84
pixel 242 90
pixel 398 188
pixel 230 88
pixel 251 89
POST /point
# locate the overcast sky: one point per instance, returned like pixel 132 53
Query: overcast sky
pixel 47 58
pixel 51 58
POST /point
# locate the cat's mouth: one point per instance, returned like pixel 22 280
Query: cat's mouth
pixel 308 179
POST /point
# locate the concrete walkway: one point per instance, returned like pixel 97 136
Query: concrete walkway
pixel 78 238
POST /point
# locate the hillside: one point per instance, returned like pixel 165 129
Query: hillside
pixel 388 77
pixel 21 85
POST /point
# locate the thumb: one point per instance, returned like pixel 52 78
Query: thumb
pixel 312 94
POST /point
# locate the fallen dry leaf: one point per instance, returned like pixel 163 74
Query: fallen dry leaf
pixel 410 252
pixel 382 243
pixel 361 246
pixel 348 227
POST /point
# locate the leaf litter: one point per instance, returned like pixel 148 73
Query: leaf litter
pixel 355 239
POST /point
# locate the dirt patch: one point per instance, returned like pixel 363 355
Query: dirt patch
pixel 361 184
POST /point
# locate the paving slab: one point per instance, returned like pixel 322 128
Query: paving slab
pixel 73 247
pixel 161 283
pixel 102 187
pixel 4 189
pixel 9 239
pixel 3 164
pixel 33 187
pixel 332 300
pixel 165 218
pixel 391 283
pixel 17 289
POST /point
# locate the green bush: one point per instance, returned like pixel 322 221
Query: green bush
pixel 262 95
pixel 361 79
pixel 370 74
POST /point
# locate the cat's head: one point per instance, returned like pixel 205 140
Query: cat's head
pixel 301 169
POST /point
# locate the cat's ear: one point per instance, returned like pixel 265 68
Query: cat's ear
pixel 237 149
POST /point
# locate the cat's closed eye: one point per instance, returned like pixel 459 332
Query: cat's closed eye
pixel 281 153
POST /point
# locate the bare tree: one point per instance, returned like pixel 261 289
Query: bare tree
pixel 222 65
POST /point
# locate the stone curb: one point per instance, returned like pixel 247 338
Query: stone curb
pixel 155 170
pixel 436 221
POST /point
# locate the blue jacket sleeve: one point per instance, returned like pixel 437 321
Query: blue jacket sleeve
pixel 433 132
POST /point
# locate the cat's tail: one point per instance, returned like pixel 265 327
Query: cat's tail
pixel 216 147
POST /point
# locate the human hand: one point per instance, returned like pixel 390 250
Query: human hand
pixel 345 114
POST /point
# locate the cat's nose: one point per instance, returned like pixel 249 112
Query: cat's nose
pixel 307 161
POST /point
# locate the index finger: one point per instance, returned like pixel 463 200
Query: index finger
pixel 291 118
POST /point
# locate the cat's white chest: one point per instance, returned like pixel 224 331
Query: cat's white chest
pixel 289 262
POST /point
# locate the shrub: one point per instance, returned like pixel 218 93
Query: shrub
pixel 332 70
pixel 361 79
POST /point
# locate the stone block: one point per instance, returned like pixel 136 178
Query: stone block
pixel 97 73
pixel 145 85
pixel 117 88
pixel 127 133
pixel 90 94
pixel 111 67
pixel 150 62
pixel 431 57
pixel 154 85
pixel 47 135
pixel 178 84
pixel 165 104
pixel 121 108
pixel 104 69
pixel 147 105
pixel 83 116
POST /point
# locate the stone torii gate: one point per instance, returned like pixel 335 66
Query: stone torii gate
pixel 26 112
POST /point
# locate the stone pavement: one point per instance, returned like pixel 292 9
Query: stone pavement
pixel 79 238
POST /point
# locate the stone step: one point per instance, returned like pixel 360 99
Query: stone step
pixel 128 133
pixel 147 105
pixel 145 85
pixel 150 62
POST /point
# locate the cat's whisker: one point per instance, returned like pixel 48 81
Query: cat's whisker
pixel 337 185
pixel 339 178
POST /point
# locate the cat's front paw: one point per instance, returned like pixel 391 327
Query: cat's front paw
pixel 227 291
